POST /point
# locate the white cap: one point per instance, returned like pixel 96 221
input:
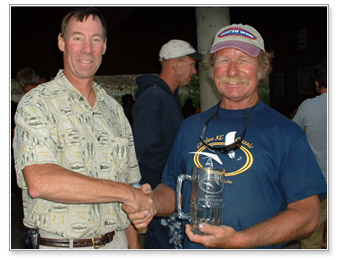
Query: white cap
pixel 178 48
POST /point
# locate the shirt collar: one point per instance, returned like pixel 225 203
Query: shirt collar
pixel 99 91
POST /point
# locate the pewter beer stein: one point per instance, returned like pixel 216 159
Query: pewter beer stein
pixel 207 191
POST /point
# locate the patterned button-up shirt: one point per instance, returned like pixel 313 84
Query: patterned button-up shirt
pixel 56 125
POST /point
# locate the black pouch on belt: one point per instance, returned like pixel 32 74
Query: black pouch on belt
pixel 32 239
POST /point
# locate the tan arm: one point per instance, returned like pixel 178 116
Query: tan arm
pixel 164 200
pixel 300 218
pixel 55 183
pixel 132 236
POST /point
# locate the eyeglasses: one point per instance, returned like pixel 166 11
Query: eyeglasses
pixel 227 148
pixel 192 64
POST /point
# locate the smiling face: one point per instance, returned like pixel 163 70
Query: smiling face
pixel 82 47
pixel 236 76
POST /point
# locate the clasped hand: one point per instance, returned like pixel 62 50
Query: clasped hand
pixel 142 209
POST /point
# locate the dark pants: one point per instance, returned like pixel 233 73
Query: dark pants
pixel 157 236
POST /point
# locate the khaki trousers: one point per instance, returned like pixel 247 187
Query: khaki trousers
pixel 314 241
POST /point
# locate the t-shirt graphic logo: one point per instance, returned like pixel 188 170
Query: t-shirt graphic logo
pixel 209 157
pixel 242 158
pixel 230 139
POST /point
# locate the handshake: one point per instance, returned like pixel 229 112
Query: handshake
pixel 146 203
pixel 140 206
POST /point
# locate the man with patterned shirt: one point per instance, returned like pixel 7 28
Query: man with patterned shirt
pixel 74 150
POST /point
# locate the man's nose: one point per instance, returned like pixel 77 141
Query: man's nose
pixel 87 46
pixel 233 69
pixel 194 70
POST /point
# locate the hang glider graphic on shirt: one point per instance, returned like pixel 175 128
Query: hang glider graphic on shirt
pixel 229 139
pixel 243 156
pixel 210 157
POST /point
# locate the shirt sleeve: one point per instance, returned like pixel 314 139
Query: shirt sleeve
pixel 301 176
pixel 299 118
pixel 34 138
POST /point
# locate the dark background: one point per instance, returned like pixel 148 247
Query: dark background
pixel 135 35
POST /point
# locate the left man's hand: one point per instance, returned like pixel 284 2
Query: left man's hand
pixel 141 217
pixel 215 236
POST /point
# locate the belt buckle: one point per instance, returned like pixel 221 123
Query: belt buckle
pixel 94 244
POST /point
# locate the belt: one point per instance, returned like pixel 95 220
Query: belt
pixel 96 242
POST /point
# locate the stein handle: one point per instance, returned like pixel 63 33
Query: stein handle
pixel 180 179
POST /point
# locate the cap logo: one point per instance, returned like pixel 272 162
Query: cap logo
pixel 236 32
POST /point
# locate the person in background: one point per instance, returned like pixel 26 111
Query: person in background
pixel 188 108
pixel 292 111
pixel 156 116
pixel 272 180
pixel 74 150
pixel 27 79
pixel 312 118
pixel 127 104
pixel 43 79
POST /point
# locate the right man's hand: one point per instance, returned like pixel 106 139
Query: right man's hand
pixel 142 210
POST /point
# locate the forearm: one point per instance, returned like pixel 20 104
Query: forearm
pixel 298 220
pixel 133 238
pixel 58 184
pixel 164 200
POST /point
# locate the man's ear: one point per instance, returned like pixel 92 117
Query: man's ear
pixel 174 63
pixel 61 42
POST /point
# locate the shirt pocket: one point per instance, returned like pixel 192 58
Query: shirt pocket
pixel 115 167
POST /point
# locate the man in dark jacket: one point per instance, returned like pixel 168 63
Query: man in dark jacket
pixel 156 117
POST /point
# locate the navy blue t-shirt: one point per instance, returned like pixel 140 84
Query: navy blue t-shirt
pixel 275 165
